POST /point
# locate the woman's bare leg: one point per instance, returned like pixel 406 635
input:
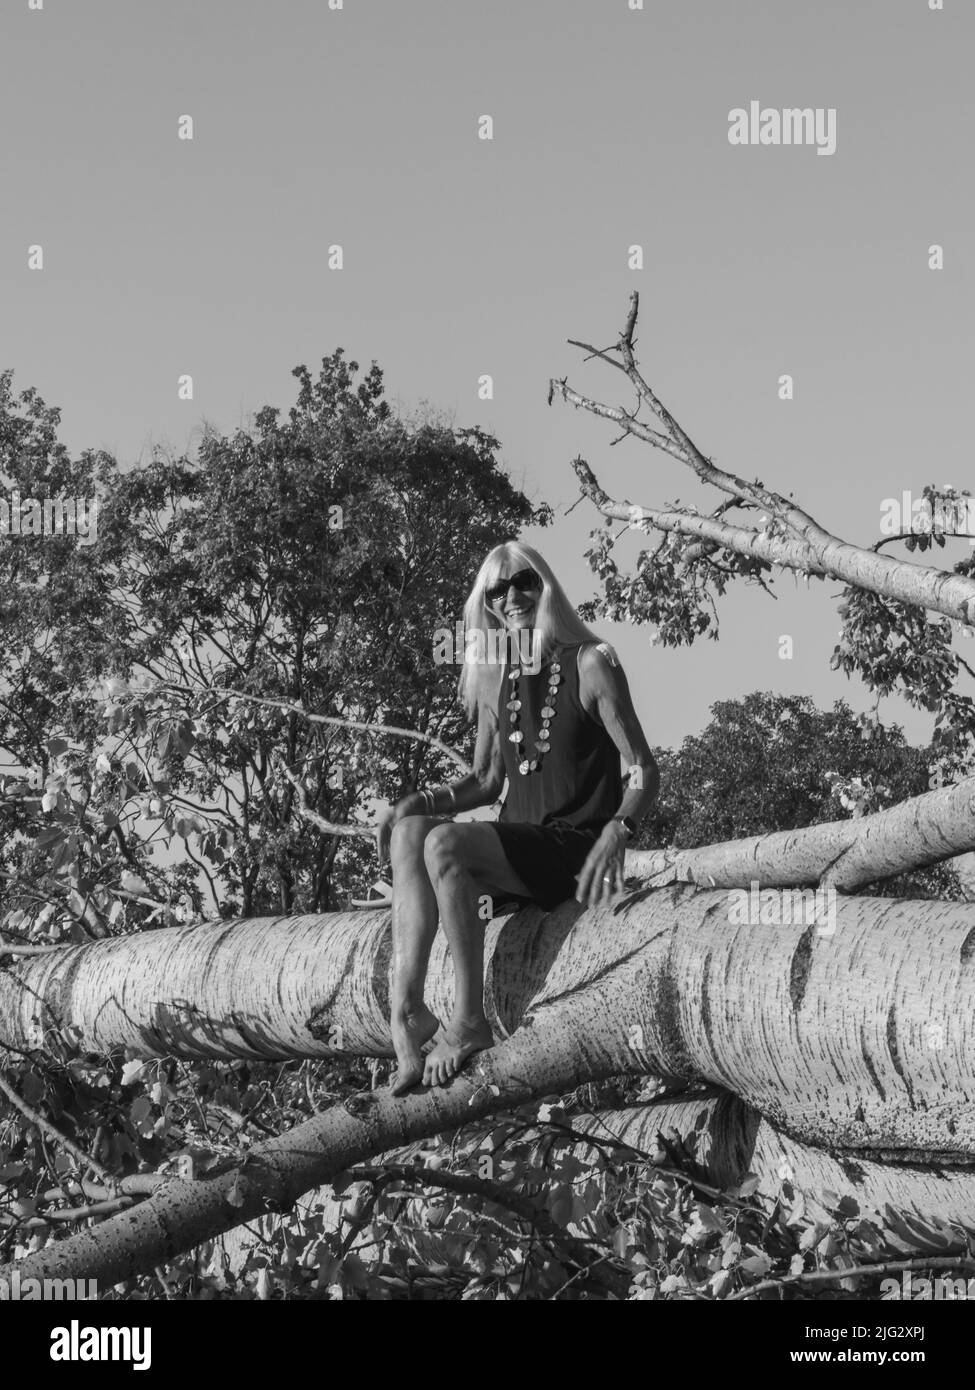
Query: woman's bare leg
pixel 415 914
pixel 460 861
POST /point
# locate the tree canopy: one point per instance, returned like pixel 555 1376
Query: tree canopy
pixel 306 559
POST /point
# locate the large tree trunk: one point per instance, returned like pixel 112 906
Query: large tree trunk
pixel 856 1040
pixel 860 1037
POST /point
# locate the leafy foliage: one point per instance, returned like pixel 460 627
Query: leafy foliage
pixel 308 559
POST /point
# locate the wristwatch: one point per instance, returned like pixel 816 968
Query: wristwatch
pixel 628 824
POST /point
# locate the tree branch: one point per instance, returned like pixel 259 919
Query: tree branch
pixel 843 854
pixel 290 707
pixel 901 580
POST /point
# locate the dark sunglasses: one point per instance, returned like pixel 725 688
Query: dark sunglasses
pixel 523 581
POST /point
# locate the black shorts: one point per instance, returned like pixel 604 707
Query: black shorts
pixel 547 858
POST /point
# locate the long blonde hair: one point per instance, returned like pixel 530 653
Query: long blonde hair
pixel 556 620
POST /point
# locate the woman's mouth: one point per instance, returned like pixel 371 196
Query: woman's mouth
pixel 520 612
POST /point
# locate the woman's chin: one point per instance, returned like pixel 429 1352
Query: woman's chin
pixel 524 621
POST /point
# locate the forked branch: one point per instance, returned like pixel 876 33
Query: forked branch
pixel 788 537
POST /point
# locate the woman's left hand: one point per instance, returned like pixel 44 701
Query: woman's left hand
pixel 601 876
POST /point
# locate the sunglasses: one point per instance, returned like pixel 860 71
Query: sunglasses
pixel 524 581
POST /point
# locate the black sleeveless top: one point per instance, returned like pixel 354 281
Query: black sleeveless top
pixel 578 783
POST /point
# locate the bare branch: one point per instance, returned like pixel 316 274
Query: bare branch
pixel 291 707
pixel 327 827
pixel 832 1276
pixel 675 440
pixel 622 417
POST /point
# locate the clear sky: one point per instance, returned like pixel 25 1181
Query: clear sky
pixel 463 257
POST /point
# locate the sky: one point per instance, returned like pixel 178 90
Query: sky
pixel 465 257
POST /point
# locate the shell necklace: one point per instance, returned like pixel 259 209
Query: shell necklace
pixel 517 736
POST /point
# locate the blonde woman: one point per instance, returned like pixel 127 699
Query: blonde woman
pixel 556 728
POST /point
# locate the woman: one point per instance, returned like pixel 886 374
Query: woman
pixel 556 732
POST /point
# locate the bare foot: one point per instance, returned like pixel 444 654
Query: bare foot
pixel 453 1047
pixel 411 1030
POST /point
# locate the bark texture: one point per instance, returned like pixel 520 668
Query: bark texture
pixel 856 1037
pixel 859 1039
pixel 561 1043
pixel 844 854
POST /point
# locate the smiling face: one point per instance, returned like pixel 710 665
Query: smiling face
pixel 516 607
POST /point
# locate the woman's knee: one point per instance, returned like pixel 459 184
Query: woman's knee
pixel 407 839
pixel 442 849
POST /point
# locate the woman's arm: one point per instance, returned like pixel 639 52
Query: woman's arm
pixel 605 694
pixel 483 785
pixel 480 787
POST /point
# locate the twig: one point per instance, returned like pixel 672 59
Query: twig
pixel 112 1204
pixel 54 1133
pixel 6 950
pixel 578 1275
pixel 133 1185
pixel 357 1223
pixel 829 1276
pixel 290 707
pixel 327 827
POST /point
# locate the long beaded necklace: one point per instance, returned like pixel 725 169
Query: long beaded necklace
pixel 517 736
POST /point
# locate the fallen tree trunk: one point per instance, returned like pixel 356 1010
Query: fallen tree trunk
pixel 734 1140
pixel 567 1038
pixel 845 1029
pixel 855 1037
pixel 844 855
pixel 730 1140
pixel 859 1039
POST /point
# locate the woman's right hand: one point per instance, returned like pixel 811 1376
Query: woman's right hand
pixel 409 805
pixel 384 832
